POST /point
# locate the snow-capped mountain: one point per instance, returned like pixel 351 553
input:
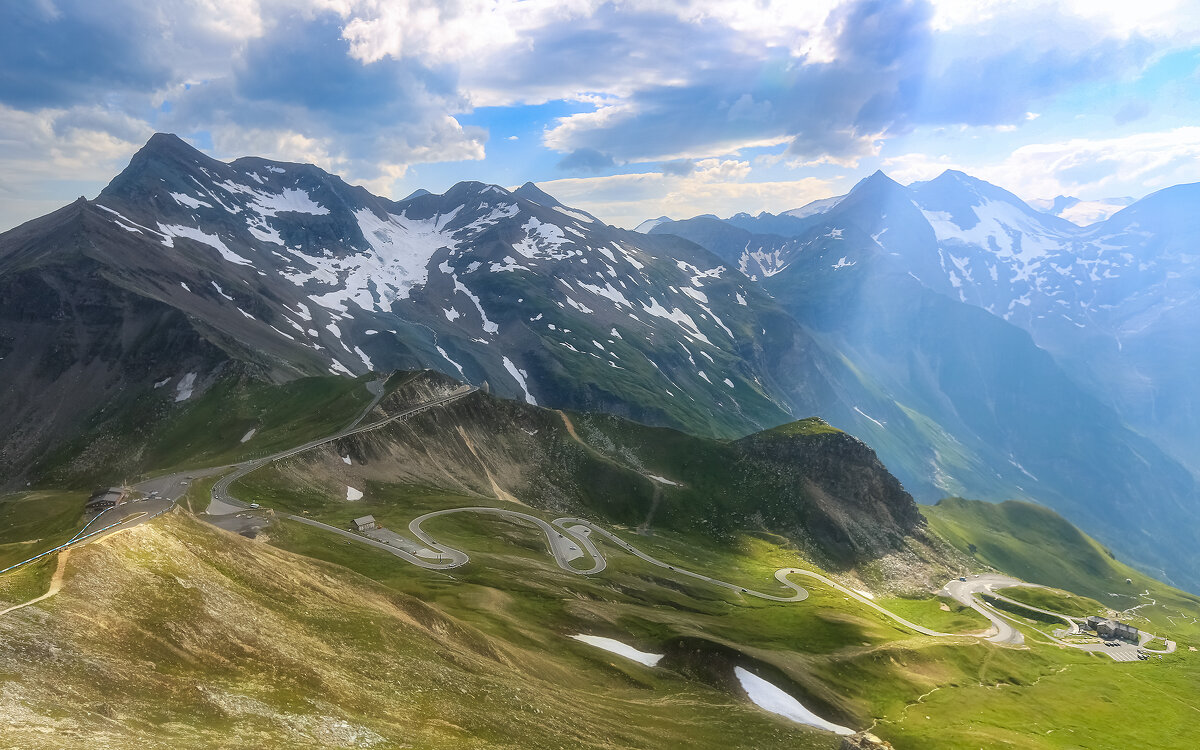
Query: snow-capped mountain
pixel 649 224
pixel 289 270
pixel 932 292
pixel 814 208
pixel 870 310
pixel 1115 302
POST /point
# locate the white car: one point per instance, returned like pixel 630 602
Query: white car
pixel 253 505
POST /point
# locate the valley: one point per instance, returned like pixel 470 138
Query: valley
pixel 476 469
pixel 842 650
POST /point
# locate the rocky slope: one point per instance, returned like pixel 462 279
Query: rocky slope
pixel 286 270
pixel 1115 301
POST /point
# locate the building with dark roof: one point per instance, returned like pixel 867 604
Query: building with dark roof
pixel 1113 629
pixel 366 523
pixel 105 499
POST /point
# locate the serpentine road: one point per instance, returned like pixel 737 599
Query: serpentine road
pixel 570 539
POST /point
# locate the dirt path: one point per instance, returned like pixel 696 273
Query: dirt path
pixel 55 584
pixel 500 492
pixel 571 428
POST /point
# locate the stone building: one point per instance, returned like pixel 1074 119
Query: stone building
pixel 366 523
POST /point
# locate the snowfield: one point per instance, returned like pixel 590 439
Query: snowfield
pixel 620 649
pixel 770 698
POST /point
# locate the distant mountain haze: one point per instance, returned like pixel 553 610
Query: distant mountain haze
pixel 1026 356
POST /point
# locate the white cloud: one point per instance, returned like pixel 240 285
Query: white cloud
pixel 461 30
pixel 1168 19
pixel 432 140
pixel 1082 167
pixel 41 150
pixel 715 186
pixel 917 167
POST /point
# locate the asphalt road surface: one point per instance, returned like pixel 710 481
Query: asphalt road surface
pixel 964 592
pixel 137 509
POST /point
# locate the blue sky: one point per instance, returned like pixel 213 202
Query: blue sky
pixel 628 109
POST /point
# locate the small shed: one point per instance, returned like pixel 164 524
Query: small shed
pixel 366 523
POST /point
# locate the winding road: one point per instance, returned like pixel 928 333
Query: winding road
pixel 568 538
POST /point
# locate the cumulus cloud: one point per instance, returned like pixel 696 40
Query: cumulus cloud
pixel 267 78
pixel 52 156
pixel 371 87
pixel 878 74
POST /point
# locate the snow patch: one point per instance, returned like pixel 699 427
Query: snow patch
pixel 248 435
pixel 365 359
pixel 614 646
pixel 519 376
pixel 457 366
pixel 353 494
pixel 171 231
pixel 189 201
pixel 768 697
pixel 183 391
pixel 577 215
pixel 876 421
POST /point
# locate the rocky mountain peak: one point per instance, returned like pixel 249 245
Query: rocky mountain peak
pixel 532 192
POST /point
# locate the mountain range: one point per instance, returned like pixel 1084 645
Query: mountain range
pixel 982 347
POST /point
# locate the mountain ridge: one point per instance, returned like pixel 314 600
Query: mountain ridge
pixel 890 277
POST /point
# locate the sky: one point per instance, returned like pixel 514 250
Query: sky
pixel 628 109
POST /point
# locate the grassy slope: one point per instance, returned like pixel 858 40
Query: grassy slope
pixel 809 426
pixel 283 647
pixel 209 432
pixel 845 661
pixel 31 522
pixel 177 635
pixel 1055 601
pixel 1037 545
pixel 155 434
